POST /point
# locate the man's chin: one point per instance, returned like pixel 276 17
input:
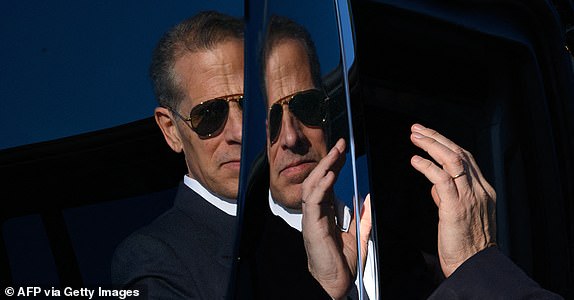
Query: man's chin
pixel 286 198
pixel 290 203
pixel 229 191
pixel 229 195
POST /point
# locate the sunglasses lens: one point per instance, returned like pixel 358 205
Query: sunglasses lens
pixel 275 119
pixel 309 108
pixel 209 117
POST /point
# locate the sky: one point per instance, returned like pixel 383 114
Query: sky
pixel 69 67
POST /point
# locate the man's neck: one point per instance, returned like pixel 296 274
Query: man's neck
pixel 228 206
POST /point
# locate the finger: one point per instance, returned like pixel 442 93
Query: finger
pixel 450 160
pixel 365 228
pixel 333 161
pixel 467 156
pixel 340 146
pixel 453 163
pixel 319 193
pixel 317 208
pixel 442 140
pixel 431 171
pixel 366 223
pixel 463 167
pixel 443 182
pixel 435 195
pixel 437 136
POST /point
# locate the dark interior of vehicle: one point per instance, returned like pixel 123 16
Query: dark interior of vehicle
pixel 72 200
pixel 479 79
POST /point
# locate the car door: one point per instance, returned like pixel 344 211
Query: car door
pixel 494 77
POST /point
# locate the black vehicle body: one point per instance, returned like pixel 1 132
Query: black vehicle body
pixel 494 76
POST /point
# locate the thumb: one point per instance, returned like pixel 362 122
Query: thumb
pixel 365 225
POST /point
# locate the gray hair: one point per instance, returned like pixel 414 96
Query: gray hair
pixel 201 32
pixel 280 29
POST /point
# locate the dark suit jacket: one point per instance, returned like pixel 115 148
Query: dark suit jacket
pixel 184 253
pixel 489 274
pixel 281 270
pixel 273 262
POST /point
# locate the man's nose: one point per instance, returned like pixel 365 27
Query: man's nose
pixel 234 127
pixel 290 134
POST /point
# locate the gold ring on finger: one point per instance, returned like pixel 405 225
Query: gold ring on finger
pixel 459 174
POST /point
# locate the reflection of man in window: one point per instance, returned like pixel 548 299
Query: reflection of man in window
pixel 302 174
pixel 197 72
pixel 296 144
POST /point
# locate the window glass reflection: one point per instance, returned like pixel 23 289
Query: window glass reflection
pixel 307 138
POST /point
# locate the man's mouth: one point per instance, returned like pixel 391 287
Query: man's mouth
pixel 298 167
pixel 233 164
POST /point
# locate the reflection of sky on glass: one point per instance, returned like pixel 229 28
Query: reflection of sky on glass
pixel 344 187
pixel 70 67
pixel 347 34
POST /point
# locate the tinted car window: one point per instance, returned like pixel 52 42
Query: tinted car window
pixel 321 20
pixel 482 77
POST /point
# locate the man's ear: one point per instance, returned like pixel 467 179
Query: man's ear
pixel 168 128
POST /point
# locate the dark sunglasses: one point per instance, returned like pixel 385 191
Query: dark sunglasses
pixel 309 107
pixel 209 117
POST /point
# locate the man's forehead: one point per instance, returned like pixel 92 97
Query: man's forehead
pixel 207 74
pixel 287 71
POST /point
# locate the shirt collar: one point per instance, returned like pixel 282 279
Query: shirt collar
pixel 228 206
pixel 294 217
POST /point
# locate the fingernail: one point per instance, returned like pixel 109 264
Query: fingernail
pixel 340 145
pixel 416 158
pixel 418 135
pixel 418 127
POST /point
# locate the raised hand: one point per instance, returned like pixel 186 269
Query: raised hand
pixel 466 201
pixel 332 253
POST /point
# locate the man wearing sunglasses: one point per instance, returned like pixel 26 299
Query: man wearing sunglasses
pixel 296 143
pixel 302 173
pixel 197 72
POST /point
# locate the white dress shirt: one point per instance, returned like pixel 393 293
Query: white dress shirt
pixel 228 206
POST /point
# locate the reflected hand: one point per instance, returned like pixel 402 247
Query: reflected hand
pixel 465 200
pixel 332 254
